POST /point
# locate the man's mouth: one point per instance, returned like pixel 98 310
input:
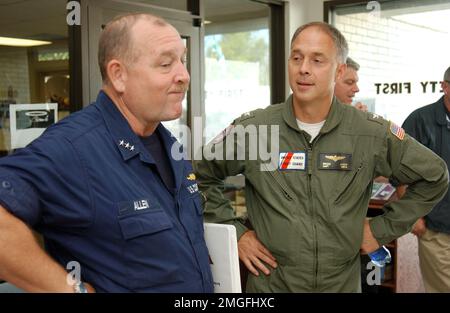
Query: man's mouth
pixel 180 89
pixel 305 84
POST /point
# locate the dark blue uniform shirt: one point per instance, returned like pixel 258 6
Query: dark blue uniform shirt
pixel 91 188
pixel 429 126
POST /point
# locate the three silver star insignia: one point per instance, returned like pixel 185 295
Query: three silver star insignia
pixel 127 145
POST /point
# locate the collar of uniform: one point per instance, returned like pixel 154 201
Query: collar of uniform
pixel 441 112
pixel 334 116
pixel 124 138
pixel 288 114
pixel 333 119
pixel 170 143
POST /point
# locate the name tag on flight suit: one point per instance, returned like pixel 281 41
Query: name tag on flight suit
pixel 292 161
pixel 335 161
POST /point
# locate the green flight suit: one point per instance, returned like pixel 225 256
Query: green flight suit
pixel 312 220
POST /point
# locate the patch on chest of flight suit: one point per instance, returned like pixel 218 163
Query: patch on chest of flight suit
pixel 292 161
pixel 335 161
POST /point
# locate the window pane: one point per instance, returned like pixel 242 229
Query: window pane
pixel 237 71
pixel 35 74
pixel 403 53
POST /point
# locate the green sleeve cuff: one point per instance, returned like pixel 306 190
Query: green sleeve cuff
pixel 240 229
pixel 380 230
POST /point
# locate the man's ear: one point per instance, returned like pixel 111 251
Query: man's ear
pixel 117 75
pixel 341 68
pixel 445 87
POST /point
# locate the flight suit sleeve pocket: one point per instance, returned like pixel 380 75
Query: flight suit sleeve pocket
pixel 419 162
pixel 147 223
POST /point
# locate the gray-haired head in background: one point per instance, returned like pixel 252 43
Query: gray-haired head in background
pixel 352 63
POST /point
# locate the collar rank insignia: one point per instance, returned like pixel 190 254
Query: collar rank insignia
pixel 191 176
pixel 375 116
pixel 126 145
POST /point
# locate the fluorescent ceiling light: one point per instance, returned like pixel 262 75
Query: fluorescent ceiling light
pixel 17 42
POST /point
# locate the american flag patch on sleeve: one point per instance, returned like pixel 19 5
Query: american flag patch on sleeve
pixel 397 131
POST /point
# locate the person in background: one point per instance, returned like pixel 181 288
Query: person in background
pixel 346 87
pixel 430 125
pixel 102 187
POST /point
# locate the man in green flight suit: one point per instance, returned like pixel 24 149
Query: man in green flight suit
pixel 309 212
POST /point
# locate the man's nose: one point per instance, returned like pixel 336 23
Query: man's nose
pixel 305 68
pixel 182 75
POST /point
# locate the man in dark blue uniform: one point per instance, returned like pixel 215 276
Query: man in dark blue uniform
pixel 430 125
pixel 102 187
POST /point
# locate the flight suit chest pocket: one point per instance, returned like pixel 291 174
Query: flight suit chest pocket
pixel 348 193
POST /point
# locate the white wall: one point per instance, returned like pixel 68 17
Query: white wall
pixel 303 11
pixel 14 74
pixel 299 12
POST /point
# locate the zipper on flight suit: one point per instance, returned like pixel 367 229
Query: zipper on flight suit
pixel 287 195
pixel 313 213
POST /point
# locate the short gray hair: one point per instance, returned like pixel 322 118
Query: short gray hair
pixel 447 75
pixel 116 40
pixel 352 64
pixel 339 40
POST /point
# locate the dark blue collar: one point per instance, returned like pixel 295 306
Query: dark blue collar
pixel 441 112
pixel 129 144
pixel 124 138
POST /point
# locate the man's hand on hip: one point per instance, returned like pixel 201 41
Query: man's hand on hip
pixel 369 243
pixel 419 228
pixel 253 253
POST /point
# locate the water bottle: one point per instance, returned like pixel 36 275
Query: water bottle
pixel 380 257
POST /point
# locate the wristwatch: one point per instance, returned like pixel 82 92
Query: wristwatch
pixel 79 287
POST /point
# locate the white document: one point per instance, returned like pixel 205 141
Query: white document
pixel 221 240
pixel 28 121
